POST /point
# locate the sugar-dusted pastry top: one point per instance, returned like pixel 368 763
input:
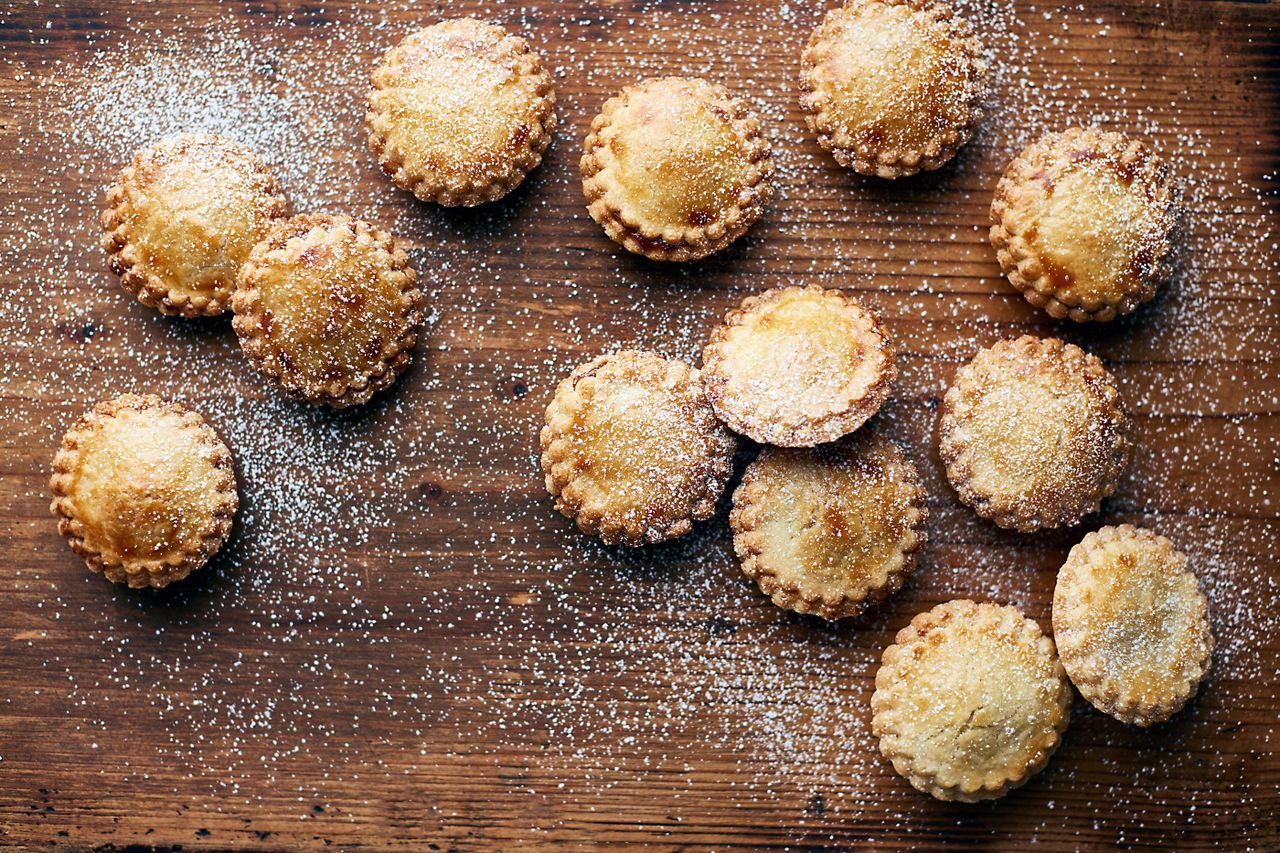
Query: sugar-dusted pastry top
pixel 798 366
pixel 675 168
pixel 460 112
pixel 892 87
pixel 183 216
pixel 144 490
pixel 832 529
pixel 1132 624
pixel 327 306
pixel 1033 433
pixel 970 701
pixel 632 450
pixel 1082 223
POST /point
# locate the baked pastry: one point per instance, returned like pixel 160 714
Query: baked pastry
pixel 632 451
pixel 143 490
pixel 460 112
pixel 182 217
pixel 326 306
pixel 829 530
pixel 1082 223
pixel 1033 433
pixel 1132 624
pixel 970 701
pixel 892 87
pixel 676 168
pixel 798 366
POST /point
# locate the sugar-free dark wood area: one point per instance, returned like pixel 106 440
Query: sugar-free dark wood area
pixel 403 646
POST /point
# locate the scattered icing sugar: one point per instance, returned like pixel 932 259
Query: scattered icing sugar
pixel 391 601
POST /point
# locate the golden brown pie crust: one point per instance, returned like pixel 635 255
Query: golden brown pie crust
pixel 1083 222
pixel 970 701
pixel 632 451
pixel 183 216
pixel 798 366
pixel 460 112
pixel 143 490
pixel 676 168
pixel 829 530
pixel 1132 625
pixel 326 306
pixel 892 87
pixel 1033 433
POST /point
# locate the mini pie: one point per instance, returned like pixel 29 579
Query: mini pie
pixel 460 112
pixel 1132 624
pixel 1033 433
pixel 143 490
pixel 632 450
pixel 798 366
pixel 1082 223
pixel 676 168
pixel 182 217
pixel 829 530
pixel 326 306
pixel 970 701
pixel 892 87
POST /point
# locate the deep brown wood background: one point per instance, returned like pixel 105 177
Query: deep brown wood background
pixel 420 652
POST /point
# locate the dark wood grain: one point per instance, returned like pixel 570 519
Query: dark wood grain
pixel 404 647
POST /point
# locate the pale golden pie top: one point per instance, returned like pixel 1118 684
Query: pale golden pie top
pixel 632 451
pixel 1033 433
pixel 143 490
pixel 182 217
pixel 326 306
pixel 1132 624
pixel 675 168
pixel 829 530
pixel 798 366
pixel 460 112
pixel 970 701
pixel 1082 223
pixel 892 87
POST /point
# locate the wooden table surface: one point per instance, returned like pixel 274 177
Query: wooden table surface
pixel 403 646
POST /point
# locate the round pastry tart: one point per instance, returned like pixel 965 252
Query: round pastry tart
pixel 676 168
pixel 798 366
pixel 183 216
pixel 632 450
pixel 1132 624
pixel 970 701
pixel 326 306
pixel 892 87
pixel 829 530
pixel 460 112
pixel 143 490
pixel 1033 433
pixel 1082 222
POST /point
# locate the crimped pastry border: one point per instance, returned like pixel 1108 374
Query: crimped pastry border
pixel 1005 511
pixel 449 192
pixel 1071 601
pixel 745 519
pixel 176 565
pixel 559 471
pixel 884 702
pixel 737 413
pixel 1016 254
pixel 693 241
pixel 250 328
pixel 894 163
pixel 122 257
